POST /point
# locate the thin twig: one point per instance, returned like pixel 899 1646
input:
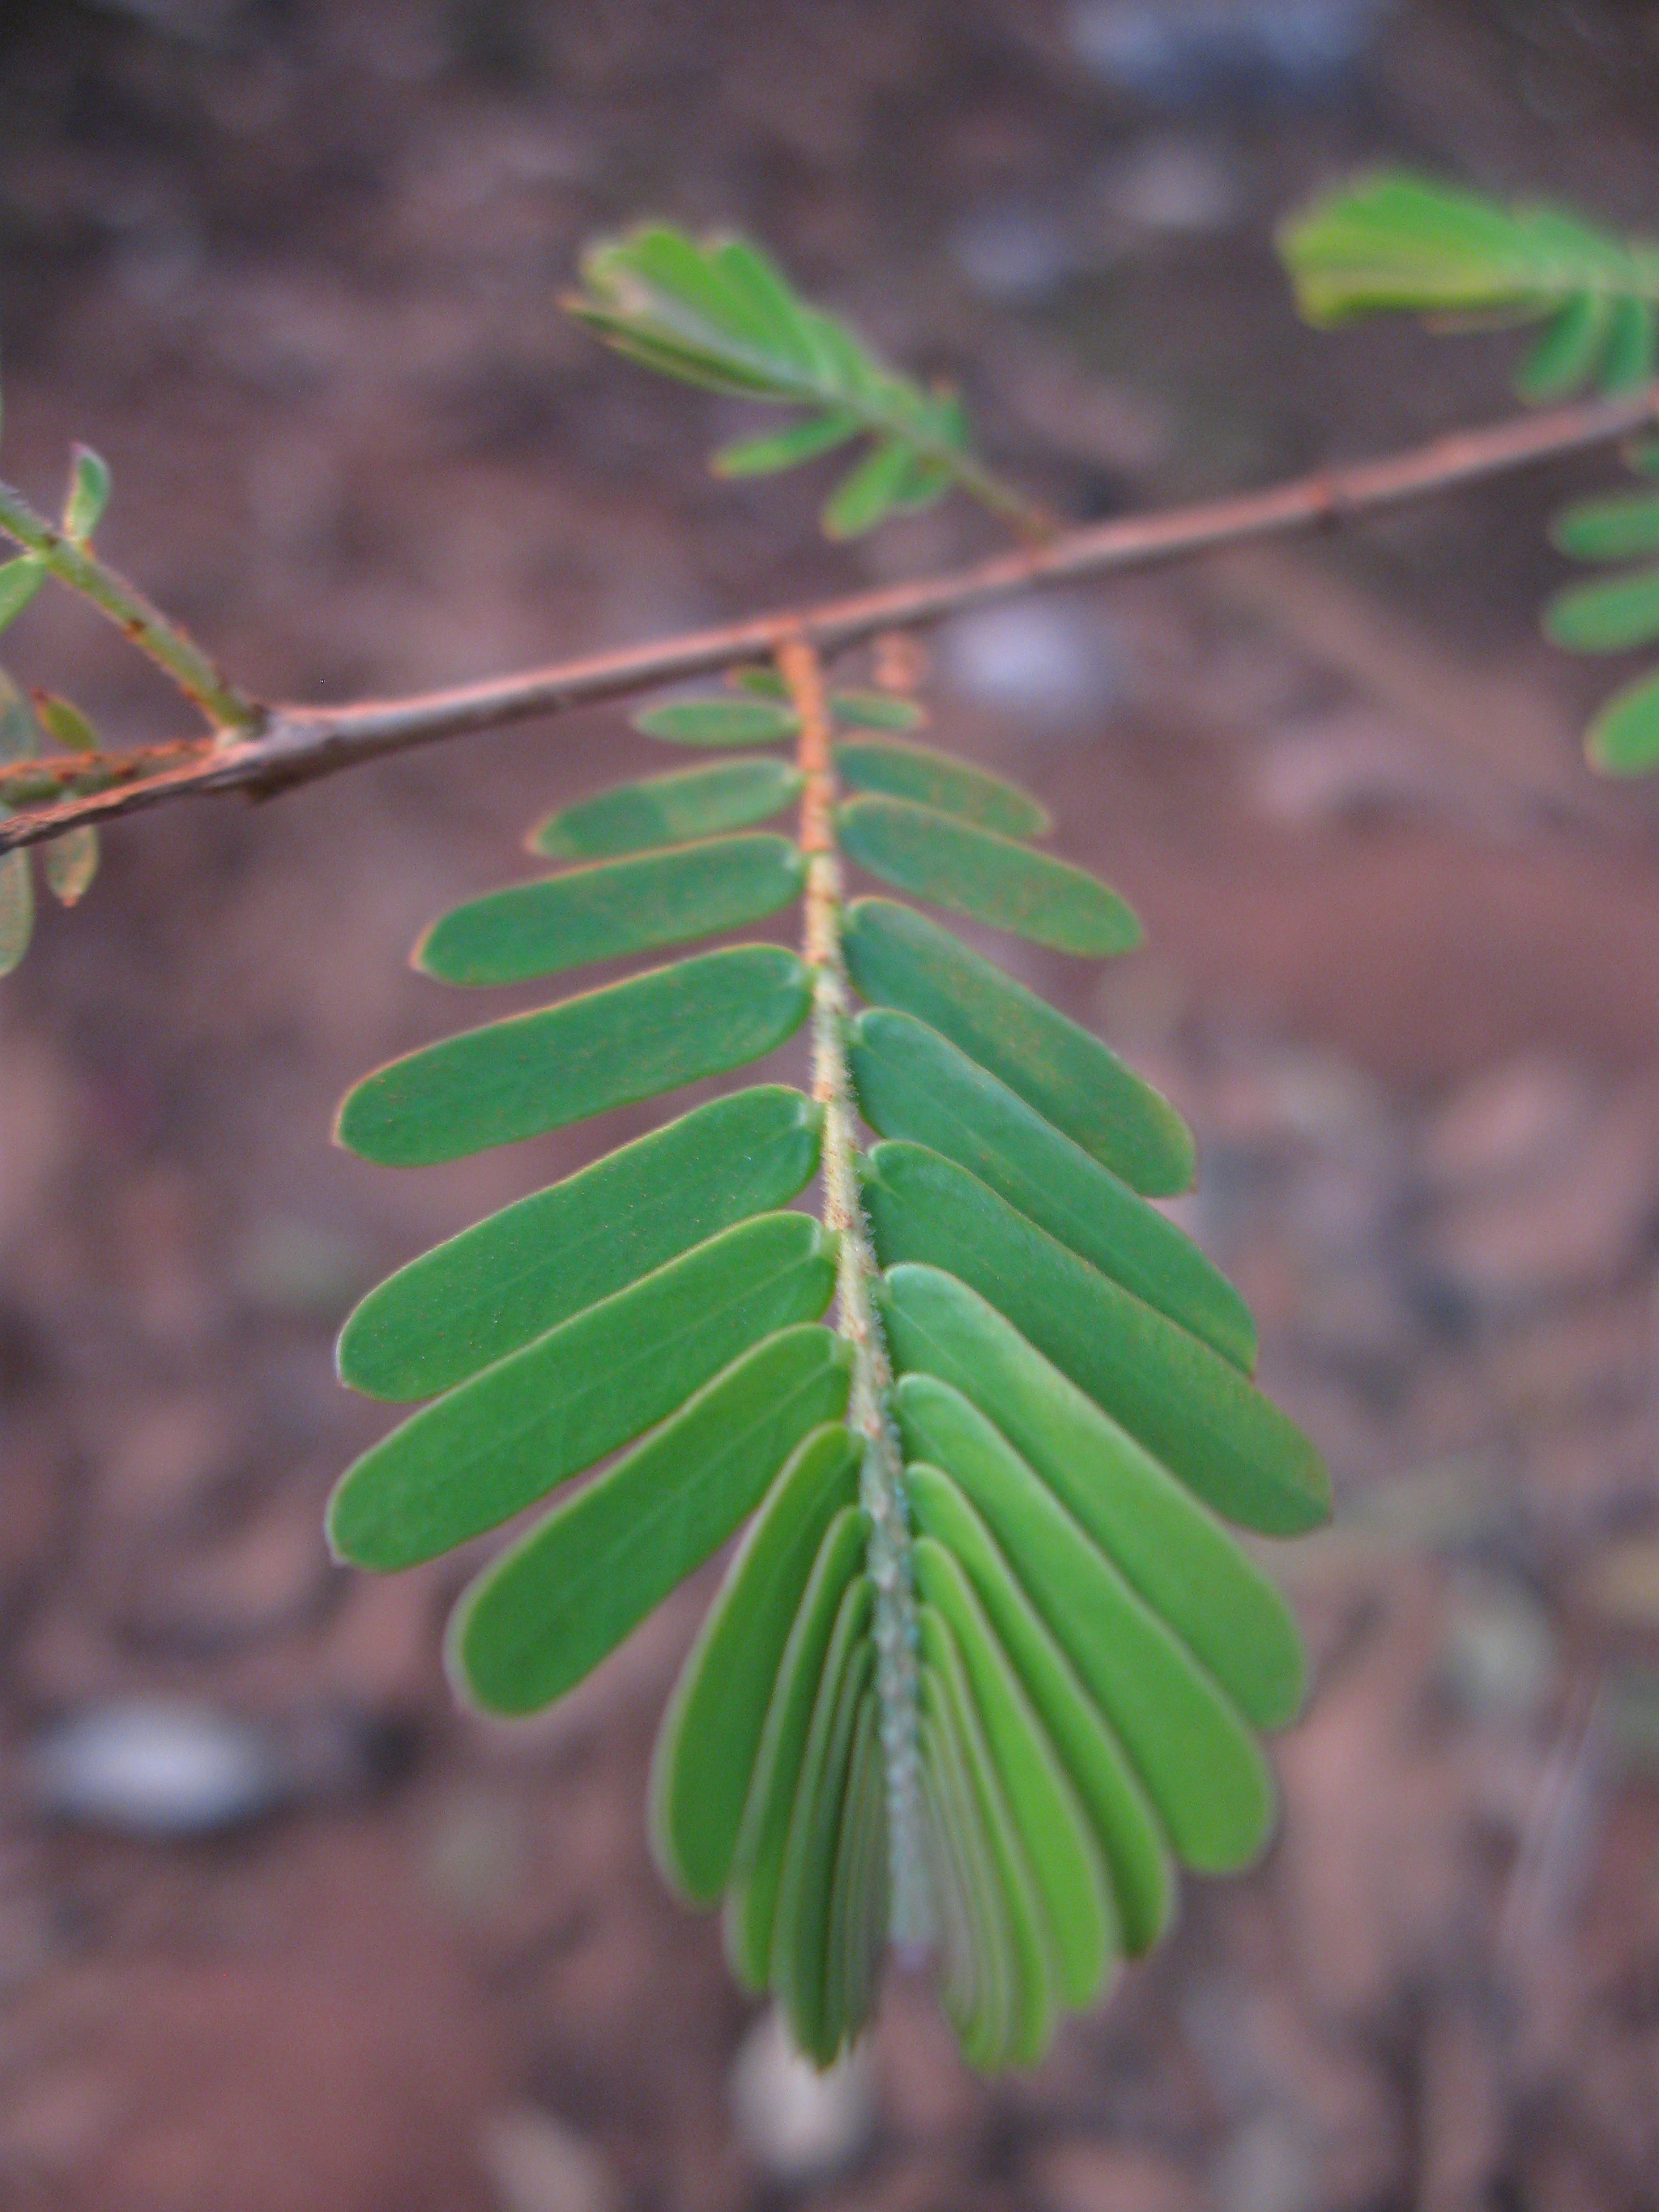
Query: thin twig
pixel 297 744
pixel 74 562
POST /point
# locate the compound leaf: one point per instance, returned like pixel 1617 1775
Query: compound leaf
pixel 567 1595
pixel 1190 1408
pixel 706 1747
pixel 499 1441
pixel 898 958
pixel 612 908
pixel 911 1082
pixel 669 810
pixel 989 876
pixel 516 1078
pixel 935 780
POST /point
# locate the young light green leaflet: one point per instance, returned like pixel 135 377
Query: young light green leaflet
pixel 612 908
pixel 897 958
pixel 717 722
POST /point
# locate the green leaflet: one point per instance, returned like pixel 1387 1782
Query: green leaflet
pixel 567 1593
pixel 1128 1829
pixel 1614 529
pixel 800 1945
pixel 1624 739
pixel 991 879
pixel 977 1970
pixel 1067 1873
pixel 512 1278
pixel 878 710
pixel 88 495
pixel 936 780
pixel 858 1906
pixel 913 1083
pixel 1031 2018
pixel 516 1078
pixel 1566 354
pixel 776 449
pixel 668 809
pixel 500 1441
pixel 752 1901
pixel 20 579
pixel 872 488
pixel 1186 1405
pixel 710 1733
pixel 718 722
pixel 69 864
pixel 16 908
pixel 1165 1544
pixel 1631 346
pixel 611 908
pixel 1606 617
pixel 1193 1755
pixel 898 958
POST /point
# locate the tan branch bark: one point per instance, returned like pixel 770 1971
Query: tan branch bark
pixel 297 744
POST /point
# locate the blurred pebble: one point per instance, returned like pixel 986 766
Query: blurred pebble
pixel 165 1771
pixel 1012 254
pixel 1045 661
pixel 156 1770
pixel 1172 185
pixel 1188 53
pixel 1500 1658
pixel 534 2163
pixel 798 2124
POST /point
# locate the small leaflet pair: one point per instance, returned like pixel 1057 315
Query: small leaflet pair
pixel 1096 1655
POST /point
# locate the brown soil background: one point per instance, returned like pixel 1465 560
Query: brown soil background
pixel 293 270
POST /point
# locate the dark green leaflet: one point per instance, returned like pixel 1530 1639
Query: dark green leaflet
pixel 1189 1407
pixel 939 781
pixel 801 1944
pixel 544 1615
pixel 534 1072
pixel 1198 1762
pixel 1167 1545
pixel 1067 1870
pixel 751 1902
pixel 496 1443
pixel 611 908
pixel 718 722
pixel 990 878
pixel 513 1277
pixel 974 1978
pixel 706 1747
pixel 1142 1882
pixel 667 809
pixel 1606 617
pixel 1565 355
pixel 876 710
pixel 898 958
pixel 914 1083
pixel 785 449
pixel 1031 1990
